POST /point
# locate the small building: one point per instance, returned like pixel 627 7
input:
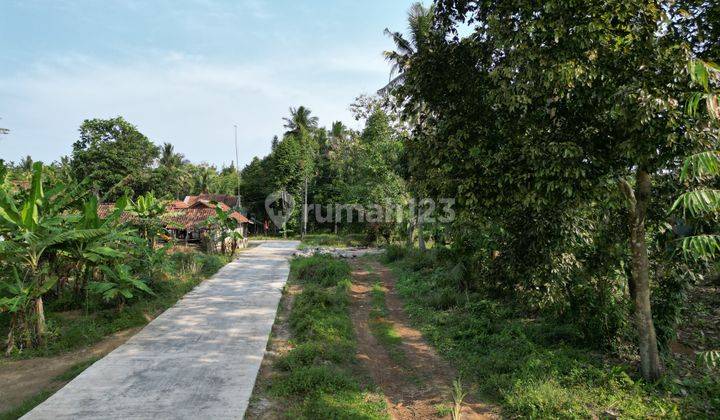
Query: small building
pixel 187 220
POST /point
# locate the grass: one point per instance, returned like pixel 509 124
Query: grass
pixel 80 328
pixel 332 240
pixel 320 376
pixel 531 367
pixel 382 329
pixel 75 370
pixel 26 406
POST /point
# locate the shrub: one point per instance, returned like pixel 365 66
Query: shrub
pixel 322 270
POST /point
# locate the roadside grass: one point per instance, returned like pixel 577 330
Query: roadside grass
pixel 382 329
pixel 75 370
pixel 531 367
pixel 26 406
pixel 332 240
pixel 70 330
pixel 320 376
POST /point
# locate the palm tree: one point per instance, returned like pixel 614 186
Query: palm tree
pixel 300 119
pixel 338 135
pixel 169 158
pixel 420 22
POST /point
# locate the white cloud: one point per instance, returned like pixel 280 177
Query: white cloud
pixel 183 99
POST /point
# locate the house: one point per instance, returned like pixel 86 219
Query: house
pixel 187 220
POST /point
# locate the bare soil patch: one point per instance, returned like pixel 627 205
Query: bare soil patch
pixel 22 379
pixel 418 385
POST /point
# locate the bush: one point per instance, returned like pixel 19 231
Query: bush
pixel 394 253
pixel 322 270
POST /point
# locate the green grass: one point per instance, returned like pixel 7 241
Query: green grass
pixel 183 273
pixel 320 376
pixel 382 329
pixel 331 240
pixel 531 367
pixel 26 406
pixel 75 370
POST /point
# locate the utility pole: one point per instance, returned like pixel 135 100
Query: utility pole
pixel 237 170
pixel 305 210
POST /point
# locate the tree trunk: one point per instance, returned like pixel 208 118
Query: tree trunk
pixel 638 202
pixel 40 320
pixel 410 231
pixel 421 237
pixel 10 346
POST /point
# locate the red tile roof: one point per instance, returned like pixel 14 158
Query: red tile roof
pixel 229 200
pixel 179 214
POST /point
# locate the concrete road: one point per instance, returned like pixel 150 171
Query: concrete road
pixel 198 360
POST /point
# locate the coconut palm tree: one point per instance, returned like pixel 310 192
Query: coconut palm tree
pixel 420 22
pixel 300 119
pixel 169 158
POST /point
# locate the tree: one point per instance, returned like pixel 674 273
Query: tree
pixel 113 156
pixel 532 118
pixel 300 119
pixel 420 21
pixel 169 158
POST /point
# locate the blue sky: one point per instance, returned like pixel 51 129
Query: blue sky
pixel 185 71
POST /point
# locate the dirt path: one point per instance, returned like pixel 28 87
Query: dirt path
pixel 22 379
pixel 420 383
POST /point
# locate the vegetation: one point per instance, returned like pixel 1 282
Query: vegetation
pixel 534 366
pixel 58 252
pixel 320 375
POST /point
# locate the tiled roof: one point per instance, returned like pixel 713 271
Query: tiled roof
pixel 179 214
pixel 229 200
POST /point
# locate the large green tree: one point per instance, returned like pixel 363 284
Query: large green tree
pixel 114 157
pixel 533 118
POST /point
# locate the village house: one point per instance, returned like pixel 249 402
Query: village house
pixel 187 220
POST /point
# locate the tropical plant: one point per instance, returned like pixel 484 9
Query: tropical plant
pixel 420 21
pixel 168 157
pixel 33 232
pixel 300 119
pixel 148 211
pixel 227 224
pixel 114 156
pixel 118 285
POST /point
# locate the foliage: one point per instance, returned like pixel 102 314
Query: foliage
pixel 533 366
pixel 119 284
pixel 113 156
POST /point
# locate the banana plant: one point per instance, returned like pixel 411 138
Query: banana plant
pixel 148 211
pixel 227 225
pixel 88 255
pixel 32 230
pixel 118 285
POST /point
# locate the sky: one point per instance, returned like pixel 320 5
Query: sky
pixel 185 71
